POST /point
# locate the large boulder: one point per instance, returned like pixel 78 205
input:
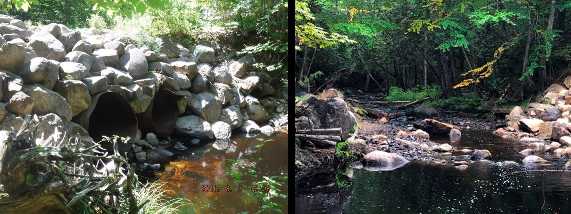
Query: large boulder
pixel 168 48
pixel 250 127
pixel 96 41
pixel 221 130
pixel 96 84
pixel 188 68
pixel 247 85
pixel 329 113
pixel 182 80
pixel 240 67
pixel 52 127
pixel 256 111
pixel 221 75
pixel 204 54
pixel 80 57
pixel 140 104
pixel 11 84
pixel 193 126
pixel 76 93
pixel 231 115
pixel 264 89
pixel 423 111
pixel 383 161
pixel 97 63
pixel 20 104
pixel 199 83
pixel 115 45
pixel 135 63
pixel 168 82
pixel 109 57
pixel 161 68
pixel 69 39
pixel 550 114
pixel 72 71
pixel 11 29
pixel 222 92
pixel 239 98
pixel 530 125
pixel 38 70
pixel 46 45
pixel 83 46
pixel 559 131
pixel 116 76
pixel 48 101
pixel 556 88
pixel 205 106
pixel 434 126
pixel 12 57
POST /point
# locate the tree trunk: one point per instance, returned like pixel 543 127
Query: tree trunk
pixel 452 68
pixel 543 60
pixel 425 69
pixel 304 61
pixel 526 53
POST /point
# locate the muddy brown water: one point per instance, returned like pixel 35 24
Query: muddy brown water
pixel 194 174
pixel 503 185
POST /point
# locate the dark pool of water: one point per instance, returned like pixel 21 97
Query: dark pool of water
pixel 494 187
pixel 207 165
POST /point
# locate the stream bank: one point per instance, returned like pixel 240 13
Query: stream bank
pixel 523 171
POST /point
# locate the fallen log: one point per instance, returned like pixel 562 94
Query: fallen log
pixel 322 140
pixel 409 104
pixel 375 101
pixel 330 131
pixel 319 137
pixel 380 114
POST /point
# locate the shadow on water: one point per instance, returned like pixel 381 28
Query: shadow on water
pixel 485 187
pixel 194 175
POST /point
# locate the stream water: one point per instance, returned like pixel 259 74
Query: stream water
pixel 197 173
pixel 503 185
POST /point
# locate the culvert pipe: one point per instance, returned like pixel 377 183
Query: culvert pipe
pixel 109 114
pixel 162 113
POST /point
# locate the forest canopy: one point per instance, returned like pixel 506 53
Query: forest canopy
pixel 509 49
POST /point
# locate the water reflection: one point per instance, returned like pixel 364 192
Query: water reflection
pixel 203 169
pixel 502 185
pixel 419 188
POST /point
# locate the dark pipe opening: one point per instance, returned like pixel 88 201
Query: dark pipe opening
pixel 109 114
pixel 161 115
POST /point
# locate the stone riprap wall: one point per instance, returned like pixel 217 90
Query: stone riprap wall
pixel 53 72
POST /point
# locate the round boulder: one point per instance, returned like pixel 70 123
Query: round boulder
pixel 135 63
pixel 221 130
pixel 384 161
pixel 193 126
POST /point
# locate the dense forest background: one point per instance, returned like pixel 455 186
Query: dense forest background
pixel 502 52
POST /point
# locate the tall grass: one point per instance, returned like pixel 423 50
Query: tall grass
pixel 152 198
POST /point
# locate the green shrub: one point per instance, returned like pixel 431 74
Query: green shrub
pixel 465 102
pixel 96 21
pixel 416 93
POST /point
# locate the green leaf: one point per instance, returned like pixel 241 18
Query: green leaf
pixel 237 176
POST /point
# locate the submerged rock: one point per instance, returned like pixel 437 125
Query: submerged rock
pixel 179 146
pixel 480 154
pixel 434 126
pixel 383 161
pixel 533 159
